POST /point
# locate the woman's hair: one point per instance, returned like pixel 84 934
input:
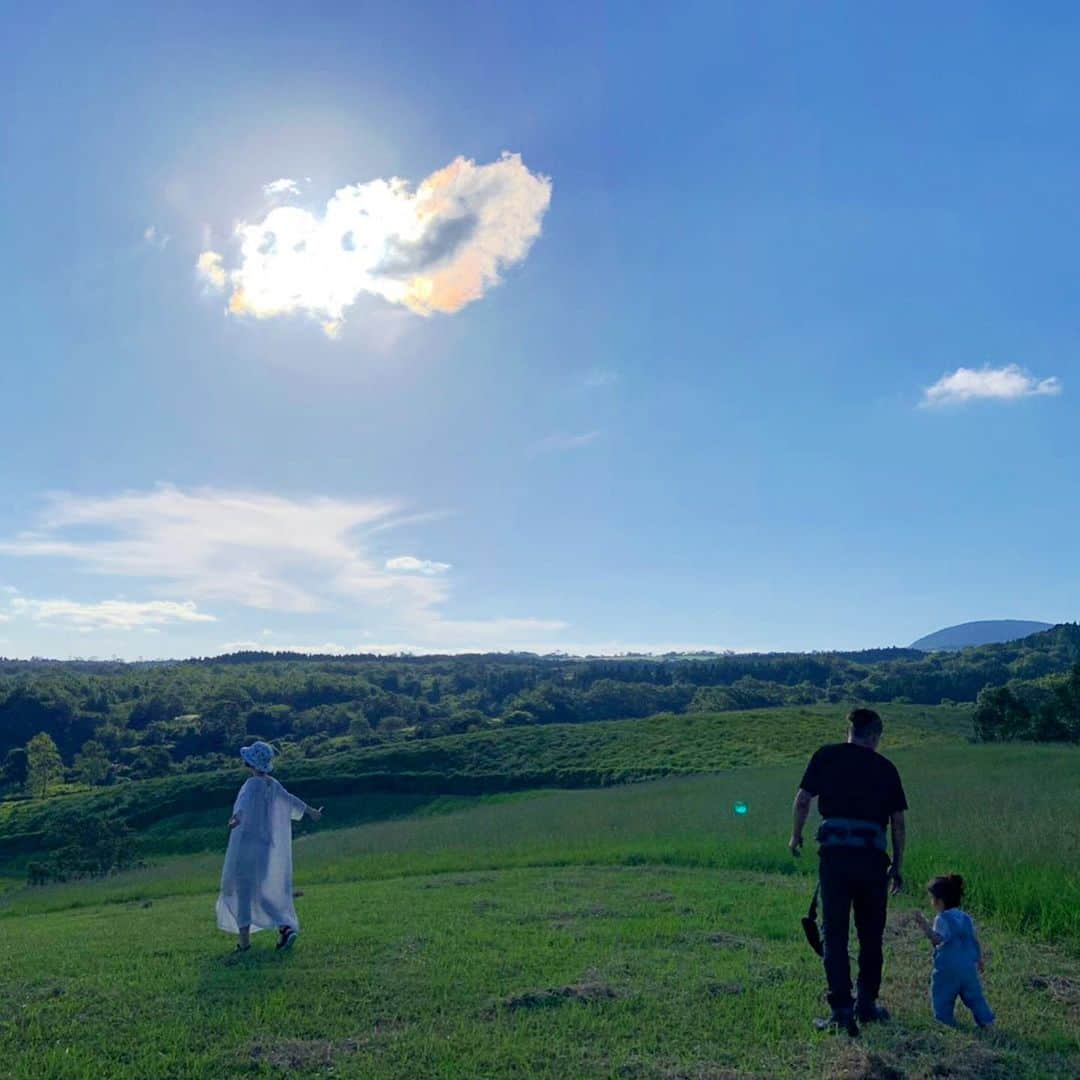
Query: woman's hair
pixel 949 889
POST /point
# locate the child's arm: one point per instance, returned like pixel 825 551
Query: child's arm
pixel 980 961
pixel 931 934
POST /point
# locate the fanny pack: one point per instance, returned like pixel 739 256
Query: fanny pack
pixel 851 833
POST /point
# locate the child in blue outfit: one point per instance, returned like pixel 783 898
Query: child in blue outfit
pixel 957 954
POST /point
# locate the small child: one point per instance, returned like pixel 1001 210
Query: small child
pixel 957 954
pixel 256 881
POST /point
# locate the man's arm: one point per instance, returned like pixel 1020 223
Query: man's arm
pixel 800 812
pixel 899 835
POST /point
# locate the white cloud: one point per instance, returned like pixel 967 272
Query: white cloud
pixel 10 590
pixel 284 186
pixel 154 237
pixel 109 614
pixel 434 249
pixel 329 648
pixel 997 384
pixel 561 441
pixel 411 565
pixel 259 551
pixel 211 269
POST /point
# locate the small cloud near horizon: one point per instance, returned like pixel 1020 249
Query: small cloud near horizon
pixel 1007 383
pixel 107 614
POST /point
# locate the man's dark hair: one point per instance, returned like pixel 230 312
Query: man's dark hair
pixel 865 723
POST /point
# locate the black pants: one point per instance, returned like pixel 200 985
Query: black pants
pixel 853 879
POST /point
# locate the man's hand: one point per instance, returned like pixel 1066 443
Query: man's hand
pixel 800 812
pixel 314 814
pixel 896 882
pixel 234 821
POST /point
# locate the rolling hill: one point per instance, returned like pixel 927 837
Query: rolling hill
pixel 987 632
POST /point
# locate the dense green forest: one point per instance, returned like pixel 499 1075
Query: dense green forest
pixel 110 721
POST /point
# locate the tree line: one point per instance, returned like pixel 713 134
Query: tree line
pixel 101 723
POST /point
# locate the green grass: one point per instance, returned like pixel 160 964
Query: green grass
pixel 563 755
pixel 639 972
pixel 1004 816
pixel 639 931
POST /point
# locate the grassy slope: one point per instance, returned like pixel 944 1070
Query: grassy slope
pixel 639 931
pixel 575 755
pixel 1004 816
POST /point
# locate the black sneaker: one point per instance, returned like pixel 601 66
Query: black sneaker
pixel 840 1020
pixel 287 938
pixel 872 1013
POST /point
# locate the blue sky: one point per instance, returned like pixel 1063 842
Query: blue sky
pixel 783 357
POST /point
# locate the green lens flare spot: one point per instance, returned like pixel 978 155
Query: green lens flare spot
pixel 740 809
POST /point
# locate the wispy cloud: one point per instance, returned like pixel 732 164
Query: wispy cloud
pixel 561 441
pixel 434 249
pixel 284 186
pixel 409 564
pixel 155 237
pixel 598 377
pixel 989 383
pixel 327 648
pixel 253 549
pixel 109 614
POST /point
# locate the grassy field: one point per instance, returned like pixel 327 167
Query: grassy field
pixel 408 774
pixel 634 931
pixel 628 972
pixel 638 931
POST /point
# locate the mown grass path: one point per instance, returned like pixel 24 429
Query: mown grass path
pixel 577 971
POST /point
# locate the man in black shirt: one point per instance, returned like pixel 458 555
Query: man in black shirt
pixel 859 794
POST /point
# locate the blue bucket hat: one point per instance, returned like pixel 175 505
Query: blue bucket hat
pixel 259 755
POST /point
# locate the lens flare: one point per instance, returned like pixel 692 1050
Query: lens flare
pixel 740 809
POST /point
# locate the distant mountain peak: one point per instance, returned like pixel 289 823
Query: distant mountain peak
pixel 987 632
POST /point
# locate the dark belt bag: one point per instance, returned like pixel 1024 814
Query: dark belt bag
pixel 851 833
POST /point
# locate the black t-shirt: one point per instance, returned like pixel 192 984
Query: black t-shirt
pixel 853 781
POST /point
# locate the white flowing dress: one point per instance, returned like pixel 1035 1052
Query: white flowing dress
pixel 256 881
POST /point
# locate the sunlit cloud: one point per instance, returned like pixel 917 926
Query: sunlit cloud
pixel 432 249
pixel 109 614
pixel 211 269
pixel 284 186
pixel 995 384
pixel 411 565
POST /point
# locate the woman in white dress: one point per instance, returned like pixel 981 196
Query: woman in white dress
pixel 256 882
